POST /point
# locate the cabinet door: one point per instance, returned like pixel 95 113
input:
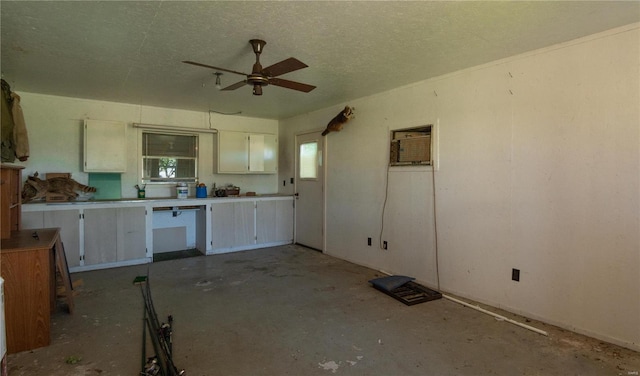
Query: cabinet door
pixel 266 221
pixel 256 152
pixel 10 200
pixel 114 234
pixel 132 242
pixel 284 221
pixel 69 223
pixel 241 152
pixel 274 221
pixel 270 153
pixel 245 223
pixel 222 225
pixel 232 225
pixel 31 220
pixel 233 152
pixel 100 236
pixel 105 146
pixel 263 153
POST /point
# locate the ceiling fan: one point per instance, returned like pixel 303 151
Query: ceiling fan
pixel 260 77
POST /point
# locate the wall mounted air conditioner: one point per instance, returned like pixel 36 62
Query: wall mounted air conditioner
pixel 410 146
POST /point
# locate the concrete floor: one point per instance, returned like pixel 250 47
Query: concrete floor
pixel 292 311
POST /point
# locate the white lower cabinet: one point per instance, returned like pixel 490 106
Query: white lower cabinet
pixel 69 223
pixel 110 235
pixel 232 225
pixel 107 235
pixel 114 234
pixel 244 224
pixel 274 221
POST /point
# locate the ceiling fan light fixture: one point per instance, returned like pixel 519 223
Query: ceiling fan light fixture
pixel 257 45
pixel 257 89
pixel 218 83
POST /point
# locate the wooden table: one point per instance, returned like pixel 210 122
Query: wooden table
pixel 28 261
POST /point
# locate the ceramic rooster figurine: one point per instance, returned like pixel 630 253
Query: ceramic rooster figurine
pixel 335 125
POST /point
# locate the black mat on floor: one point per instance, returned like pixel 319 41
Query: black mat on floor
pixel 411 293
pixel 165 256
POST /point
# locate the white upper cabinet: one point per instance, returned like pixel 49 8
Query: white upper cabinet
pixel 270 154
pixel 105 146
pixel 247 153
pixel 233 152
pixel 256 152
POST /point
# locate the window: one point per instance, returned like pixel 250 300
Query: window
pixel 309 160
pixel 411 146
pixel 169 157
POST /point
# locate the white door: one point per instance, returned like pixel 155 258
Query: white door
pixel 309 227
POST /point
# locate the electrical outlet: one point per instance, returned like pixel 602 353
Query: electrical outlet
pixel 369 242
pixel 515 275
pixel 384 244
pixel 291 180
pixel 284 183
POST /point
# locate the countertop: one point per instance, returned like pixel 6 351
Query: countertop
pixel 151 201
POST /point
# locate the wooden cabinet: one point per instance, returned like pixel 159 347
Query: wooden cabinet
pixel 10 200
pixel 105 146
pixel 114 234
pixel 246 153
pixel 27 266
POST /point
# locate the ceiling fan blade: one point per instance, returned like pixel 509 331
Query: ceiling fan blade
pixel 212 67
pixel 291 84
pixel 285 66
pixel 236 85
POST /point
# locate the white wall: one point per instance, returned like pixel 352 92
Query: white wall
pixel 56 138
pixel 539 170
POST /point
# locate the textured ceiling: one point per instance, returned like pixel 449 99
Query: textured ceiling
pixel 132 51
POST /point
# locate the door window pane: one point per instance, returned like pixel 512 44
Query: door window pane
pixel 309 160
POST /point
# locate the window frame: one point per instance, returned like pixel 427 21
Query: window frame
pixel 168 181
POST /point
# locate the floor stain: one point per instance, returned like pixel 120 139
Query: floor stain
pixel 329 366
